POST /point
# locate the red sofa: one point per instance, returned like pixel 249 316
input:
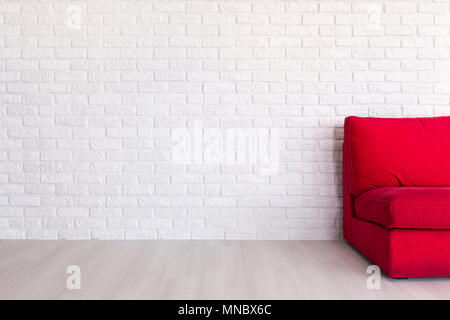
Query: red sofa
pixel 396 179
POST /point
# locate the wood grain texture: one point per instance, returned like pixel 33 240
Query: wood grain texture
pixel 198 269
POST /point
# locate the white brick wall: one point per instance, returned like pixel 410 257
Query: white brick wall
pixel 92 94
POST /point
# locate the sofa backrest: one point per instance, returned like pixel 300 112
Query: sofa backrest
pixel 385 152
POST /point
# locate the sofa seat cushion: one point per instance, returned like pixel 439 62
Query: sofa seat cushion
pixel 406 207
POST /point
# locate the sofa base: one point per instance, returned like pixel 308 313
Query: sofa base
pixel 403 253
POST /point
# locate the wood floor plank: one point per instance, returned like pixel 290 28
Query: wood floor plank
pixel 199 269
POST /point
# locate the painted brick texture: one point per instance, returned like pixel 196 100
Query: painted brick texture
pixel 96 98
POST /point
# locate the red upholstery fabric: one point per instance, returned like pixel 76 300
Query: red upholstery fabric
pixel 412 152
pixel 406 207
pixel 395 153
pixel 403 252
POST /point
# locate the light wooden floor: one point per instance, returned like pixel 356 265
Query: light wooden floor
pixel 195 269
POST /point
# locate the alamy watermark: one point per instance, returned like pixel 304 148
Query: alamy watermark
pixel 374 280
pixel 228 146
pixel 73 17
pixel 73 281
pixel 374 11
